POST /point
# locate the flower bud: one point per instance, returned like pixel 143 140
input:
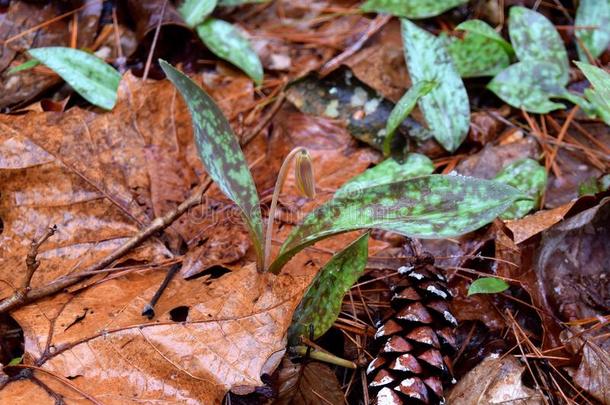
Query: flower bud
pixel 303 169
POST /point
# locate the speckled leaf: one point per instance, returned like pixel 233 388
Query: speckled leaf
pixel 239 2
pixel 487 285
pixel 220 153
pixel 432 206
pixel 195 11
pixel 411 8
pixel 445 108
pixel 529 85
pixel 535 38
pixel 592 13
pixel 600 94
pixel 528 176
pixel 321 303
pixel 88 75
pixel 225 41
pixel 388 171
pixel 402 109
pixel 483 29
pixel 482 51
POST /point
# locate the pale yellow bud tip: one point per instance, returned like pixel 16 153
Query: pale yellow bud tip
pixel 303 171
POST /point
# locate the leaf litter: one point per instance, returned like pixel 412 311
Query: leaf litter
pixel 219 333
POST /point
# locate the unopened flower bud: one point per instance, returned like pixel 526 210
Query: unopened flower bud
pixel 304 174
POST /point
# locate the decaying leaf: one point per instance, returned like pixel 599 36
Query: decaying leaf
pixel 309 383
pixel 494 381
pixel 446 108
pixel 571 264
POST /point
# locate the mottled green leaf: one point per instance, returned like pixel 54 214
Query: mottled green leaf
pixel 239 2
pixel 529 85
pixel 487 285
pixel 600 94
pixel 445 108
pixel 402 109
pixel 195 11
pixel 88 75
pixel 321 303
pixel 592 13
pixel 535 39
pixel 225 41
pixel 432 206
pixel 388 171
pixel 220 153
pixel 24 66
pixel 485 30
pixel 528 176
pixel 482 51
pixel 411 8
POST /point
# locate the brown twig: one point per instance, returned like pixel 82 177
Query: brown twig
pixel 18 299
pixel 154 42
pixel 373 27
pixel 30 260
pixel 149 309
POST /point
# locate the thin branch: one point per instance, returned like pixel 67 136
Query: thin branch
pixel 149 309
pixel 158 224
pixel 30 260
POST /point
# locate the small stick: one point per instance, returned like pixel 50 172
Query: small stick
pixel 30 260
pixel 149 309
pixel 154 42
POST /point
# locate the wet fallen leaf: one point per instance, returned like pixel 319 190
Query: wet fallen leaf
pixel 308 383
pixel 572 264
pixel 494 381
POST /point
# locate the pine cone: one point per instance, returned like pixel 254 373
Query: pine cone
pixel 414 342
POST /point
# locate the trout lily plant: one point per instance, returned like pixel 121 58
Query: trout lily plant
pixel 391 196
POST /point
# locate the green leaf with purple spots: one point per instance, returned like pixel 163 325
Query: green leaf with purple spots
pixel 530 85
pixel 220 153
pixel 89 75
pixel 388 171
pixel 482 51
pixel 594 17
pixel 528 176
pixel 487 285
pixel 535 38
pixel 446 108
pixel 434 206
pixel 321 303
pixel 411 8
pixel 226 42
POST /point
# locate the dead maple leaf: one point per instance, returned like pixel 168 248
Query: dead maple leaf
pixel 494 381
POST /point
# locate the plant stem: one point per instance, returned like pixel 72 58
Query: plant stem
pixel 281 177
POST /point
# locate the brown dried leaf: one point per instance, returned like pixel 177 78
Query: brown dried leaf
pixel 494 381
pixel 309 383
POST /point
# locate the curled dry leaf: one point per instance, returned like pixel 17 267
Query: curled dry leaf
pixel 308 383
pixel 494 381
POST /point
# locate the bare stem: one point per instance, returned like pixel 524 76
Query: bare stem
pixel 281 178
pixel 30 260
